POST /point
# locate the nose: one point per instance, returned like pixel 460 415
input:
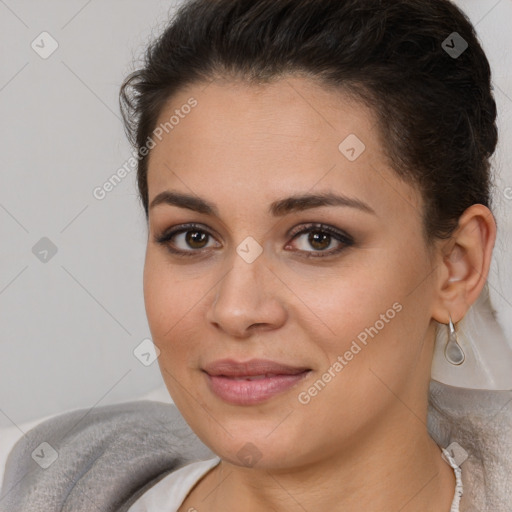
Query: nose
pixel 247 299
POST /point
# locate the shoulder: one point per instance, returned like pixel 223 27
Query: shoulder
pixel 480 422
pixel 101 458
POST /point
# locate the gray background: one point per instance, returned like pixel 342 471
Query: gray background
pixel 68 326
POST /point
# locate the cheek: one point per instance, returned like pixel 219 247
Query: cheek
pixel 167 302
pixel 176 305
pixel 166 298
pixel 366 311
pixel 379 320
pixel 338 303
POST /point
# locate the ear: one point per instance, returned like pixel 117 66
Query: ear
pixel 464 262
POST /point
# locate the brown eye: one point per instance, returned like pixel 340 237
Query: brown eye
pixel 196 239
pixel 192 240
pixel 186 240
pixel 320 238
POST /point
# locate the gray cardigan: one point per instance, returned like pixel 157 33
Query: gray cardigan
pixel 107 457
pixel 100 459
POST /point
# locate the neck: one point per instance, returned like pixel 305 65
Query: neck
pixel 380 471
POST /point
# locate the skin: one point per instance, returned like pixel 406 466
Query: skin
pixel 361 443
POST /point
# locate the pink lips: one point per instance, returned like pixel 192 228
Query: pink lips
pixel 251 382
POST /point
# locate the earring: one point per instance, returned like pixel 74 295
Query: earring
pixel 453 351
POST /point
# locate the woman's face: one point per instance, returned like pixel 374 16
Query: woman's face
pixel 343 322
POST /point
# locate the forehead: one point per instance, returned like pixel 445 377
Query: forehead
pixel 290 136
pixel 289 115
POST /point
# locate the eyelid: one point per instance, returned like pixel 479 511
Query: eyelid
pixel 183 228
pixel 320 226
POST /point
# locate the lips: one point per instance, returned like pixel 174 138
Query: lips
pixel 251 382
pixel 252 368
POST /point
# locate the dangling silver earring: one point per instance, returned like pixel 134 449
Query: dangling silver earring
pixel 453 351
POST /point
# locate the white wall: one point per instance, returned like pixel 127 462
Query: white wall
pixel 68 327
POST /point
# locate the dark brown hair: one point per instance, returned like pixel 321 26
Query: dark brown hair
pixel 436 112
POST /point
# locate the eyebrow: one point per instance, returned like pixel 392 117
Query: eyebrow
pixel 295 203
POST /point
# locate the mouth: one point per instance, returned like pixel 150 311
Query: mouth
pixel 251 382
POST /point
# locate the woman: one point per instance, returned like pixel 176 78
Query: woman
pixel 316 181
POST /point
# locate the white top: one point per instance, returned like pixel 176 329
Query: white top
pixel 170 492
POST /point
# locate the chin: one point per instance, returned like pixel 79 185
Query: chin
pixel 257 441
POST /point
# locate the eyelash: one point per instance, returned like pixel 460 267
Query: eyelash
pixel 341 237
